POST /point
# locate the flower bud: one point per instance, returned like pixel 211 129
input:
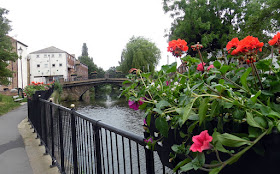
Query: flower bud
pixel 168 118
pixel 159 143
pixel 155 134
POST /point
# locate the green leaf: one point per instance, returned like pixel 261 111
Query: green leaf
pixel 198 161
pixel 243 78
pixel 125 82
pixel 215 170
pixel 224 69
pixel 192 126
pixel 202 110
pixel 232 140
pixel 251 121
pixel 214 108
pixel 157 110
pixel 254 132
pixel 254 98
pixel 162 104
pixel 186 167
pixel 180 164
pixel 196 86
pixel 147 75
pixel 278 127
pixel 162 126
pixel 187 111
pixel 217 64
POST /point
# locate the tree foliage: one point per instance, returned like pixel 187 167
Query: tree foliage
pixel 92 67
pixel 6 49
pixel 215 22
pixel 139 53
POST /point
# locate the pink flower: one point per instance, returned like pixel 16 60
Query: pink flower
pixel 144 121
pixel 167 83
pixel 135 104
pixel 200 67
pixel 150 140
pixel 209 67
pixel 201 142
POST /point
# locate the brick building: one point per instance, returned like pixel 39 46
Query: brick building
pixel 81 70
pixel 18 67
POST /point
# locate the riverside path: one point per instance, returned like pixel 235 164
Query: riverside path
pixel 13 157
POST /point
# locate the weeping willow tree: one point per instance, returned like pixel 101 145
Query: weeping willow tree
pixel 139 53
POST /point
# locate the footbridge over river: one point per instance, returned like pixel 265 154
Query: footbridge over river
pixel 74 90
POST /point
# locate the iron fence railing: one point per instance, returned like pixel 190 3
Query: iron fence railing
pixel 79 144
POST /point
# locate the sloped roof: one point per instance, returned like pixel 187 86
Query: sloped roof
pixel 51 49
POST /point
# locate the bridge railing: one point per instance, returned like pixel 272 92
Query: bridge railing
pixel 79 144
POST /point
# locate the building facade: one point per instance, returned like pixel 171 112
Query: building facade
pixel 81 70
pixel 51 64
pixel 18 67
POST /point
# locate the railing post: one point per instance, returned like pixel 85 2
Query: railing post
pixel 97 148
pixel 150 165
pixel 61 142
pixel 44 120
pixel 149 154
pixel 52 134
pixel 74 142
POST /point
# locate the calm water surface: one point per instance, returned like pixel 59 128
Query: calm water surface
pixel 112 111
pixel 115 112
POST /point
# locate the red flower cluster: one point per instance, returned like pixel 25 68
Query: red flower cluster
pixel 249 45
pixel 38 83
pixel 232 45
pixel 275 40
pixel 177 47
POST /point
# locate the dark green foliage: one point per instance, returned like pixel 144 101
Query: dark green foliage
pixel 6 49
pixel 215 22
pixel 92 67
pixel 139 53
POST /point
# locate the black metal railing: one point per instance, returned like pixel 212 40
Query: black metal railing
pixel 79 144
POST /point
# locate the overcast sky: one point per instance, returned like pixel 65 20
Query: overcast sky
pixel 105 26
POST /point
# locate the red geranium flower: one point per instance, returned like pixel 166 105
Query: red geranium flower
pixel 177 47
pixel 249 45
pixel 275 40
pixel 201 142
pixel 232 45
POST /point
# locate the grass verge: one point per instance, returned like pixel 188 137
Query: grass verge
pixel 7 104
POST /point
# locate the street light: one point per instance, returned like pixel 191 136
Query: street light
pixel 20 53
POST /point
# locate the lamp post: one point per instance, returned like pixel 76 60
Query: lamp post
pixel 20 57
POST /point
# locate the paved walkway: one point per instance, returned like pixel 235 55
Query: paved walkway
pixel 20 152
pixel 13 157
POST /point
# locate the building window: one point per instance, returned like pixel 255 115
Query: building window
pixel 60 64
pixel 60 55
pixel 38 65
pixel 53 65
pixel 46 65
pixel 37 56
pixel 52 55
pixel 45 56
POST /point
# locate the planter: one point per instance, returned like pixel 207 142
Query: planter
pixel 250 162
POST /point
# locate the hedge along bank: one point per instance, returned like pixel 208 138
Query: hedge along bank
pixel 216 111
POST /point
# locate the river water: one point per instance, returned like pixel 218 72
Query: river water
pixel 115 112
